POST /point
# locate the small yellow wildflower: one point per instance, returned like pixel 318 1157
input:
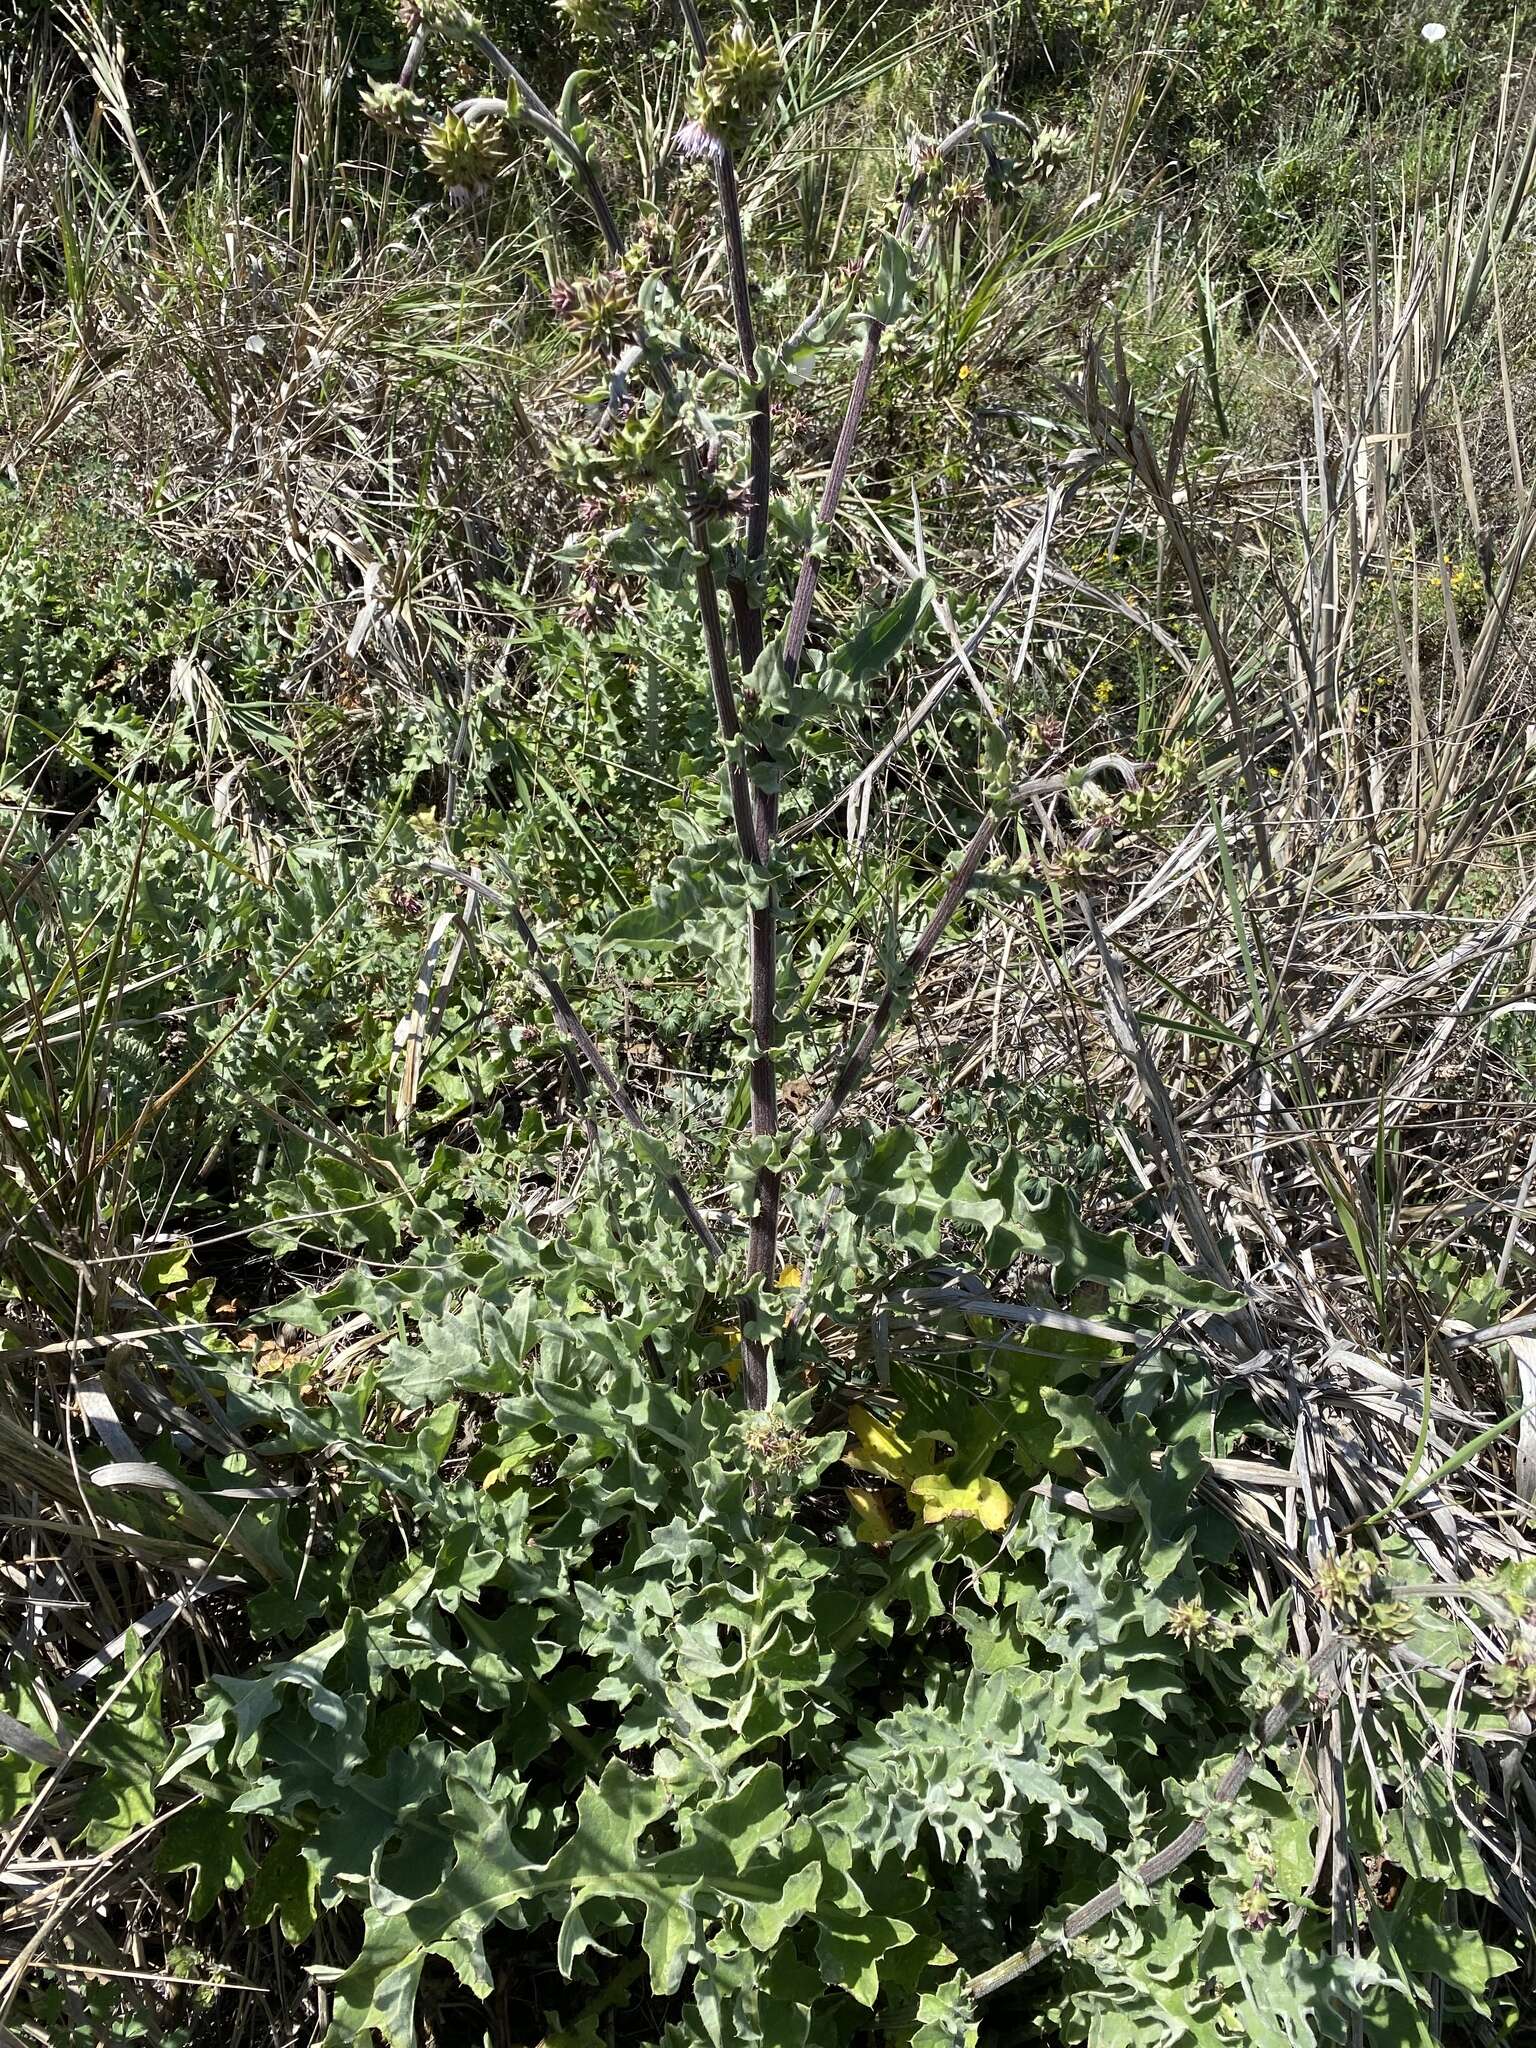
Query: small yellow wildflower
pixel 963 372
pixel 731 1339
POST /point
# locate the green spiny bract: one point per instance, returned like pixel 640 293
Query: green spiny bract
pixel 737 82
pixel 394 108
pixel 596 21
pixel 1356 1588
pixel 1514 1679
pixel 1052 146
pixel 467 156
pixel 599 310
pixel 451 20
pixel 963 198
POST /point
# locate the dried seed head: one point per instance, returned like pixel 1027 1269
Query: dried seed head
pixel 738 80
pixel 394 108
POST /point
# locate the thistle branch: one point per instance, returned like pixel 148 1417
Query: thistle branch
pixel 538 116
pixel 762 1245
pixel 856 1064
pixel 582 1039
pixel 745 605
pixel 762 920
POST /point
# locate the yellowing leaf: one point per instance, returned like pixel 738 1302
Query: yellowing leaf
pixel 874 1524
pixel 882 1449
pixel 731 1339
pixel 166 1269
pixel 791 1277
pixel 938 1499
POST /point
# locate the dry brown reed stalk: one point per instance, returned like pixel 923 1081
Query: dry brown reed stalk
pixel 1302 1067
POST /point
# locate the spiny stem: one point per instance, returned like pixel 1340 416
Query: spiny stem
pixel 414 54
pixel 755 810
pixel 747 609
pixel 762 920
pixel 538 116
pixel 762 1242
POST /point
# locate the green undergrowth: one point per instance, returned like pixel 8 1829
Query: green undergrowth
pixel 591 1666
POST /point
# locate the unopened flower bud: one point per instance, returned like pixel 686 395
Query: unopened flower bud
pixel 594 21
pixel 1052 146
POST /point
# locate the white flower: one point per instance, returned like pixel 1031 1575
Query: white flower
pixel 694 141
pixel 1433 31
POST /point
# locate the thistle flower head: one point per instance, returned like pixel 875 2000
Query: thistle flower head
pixel 927 161
pixel 1052 146
pixel 964 197
pixel 1191 1621
pixel 649 248
pixel 594 21
pixel 600 309
pixel 1514 1681
pixel 1347 1582
pixel 450 18
pixel 694 141
pixel 468 156
pixel 394 108
pixel 738 80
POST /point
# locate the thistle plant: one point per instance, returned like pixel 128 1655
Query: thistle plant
pixel 762 684
pixel 793 1607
